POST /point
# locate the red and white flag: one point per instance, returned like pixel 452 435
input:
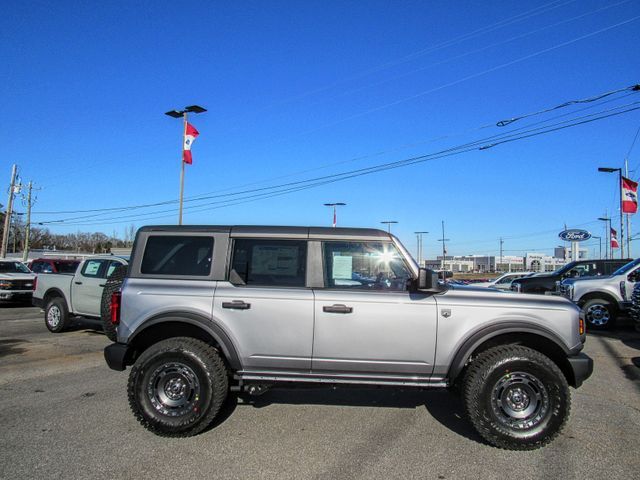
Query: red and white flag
pixel 335 220
pixel 614 239
pixel 629 196
pixel 190 135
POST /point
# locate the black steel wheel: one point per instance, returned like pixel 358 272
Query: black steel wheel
pixel 177 387
pixel 56 315
pixel 599 314
pixel 516 397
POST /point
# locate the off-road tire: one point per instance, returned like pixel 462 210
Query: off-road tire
pixel 56 315
pixel 154 374
pixel 484 397
pixel 113 284
pixel 600 306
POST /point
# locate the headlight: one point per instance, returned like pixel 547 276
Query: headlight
pixel 569 291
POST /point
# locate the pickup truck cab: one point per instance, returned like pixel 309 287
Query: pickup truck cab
pixel 64 295
pixel 204 310
pixel 603 299
pixel 16 281
pixel 53 265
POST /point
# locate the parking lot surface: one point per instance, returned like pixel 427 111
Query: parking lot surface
pixel 64 414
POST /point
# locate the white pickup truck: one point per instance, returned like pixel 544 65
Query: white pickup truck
pixel 62 295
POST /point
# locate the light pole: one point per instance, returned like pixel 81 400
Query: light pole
pixel 388 223
pixel 619 170
pixel 334 205
pixel 444 251
pixel 183 114
pixel 600 243
pixel 607 236
pixel 419 248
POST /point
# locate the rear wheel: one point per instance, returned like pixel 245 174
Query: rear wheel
pixel 600 314
pixel 177 387
pixel 516 398
pixel 56 315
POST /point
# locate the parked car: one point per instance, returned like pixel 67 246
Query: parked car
pixel 542 283
pixel 206 309
pixel 603 299
pixel 16 281
pixel 65 295
pixel 634 311
pixel 503 282
pixel 53 265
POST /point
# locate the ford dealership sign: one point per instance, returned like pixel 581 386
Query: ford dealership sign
pixel 574 235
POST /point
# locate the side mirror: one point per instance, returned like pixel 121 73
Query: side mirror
pixel 428 281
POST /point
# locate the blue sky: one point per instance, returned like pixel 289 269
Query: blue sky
pixel 296 90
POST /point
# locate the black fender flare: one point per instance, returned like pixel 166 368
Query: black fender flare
pixel 207 324
pixel 479 337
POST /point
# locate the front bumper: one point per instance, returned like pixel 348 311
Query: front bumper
pixel 15 294
pixel 116 356
pixel 582 368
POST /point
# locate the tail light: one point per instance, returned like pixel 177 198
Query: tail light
pixel 35 282
pixel 581 326
pixel 116 302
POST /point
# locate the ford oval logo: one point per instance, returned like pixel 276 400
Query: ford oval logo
pixel 574 235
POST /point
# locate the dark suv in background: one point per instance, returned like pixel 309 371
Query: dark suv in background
pixel 546 282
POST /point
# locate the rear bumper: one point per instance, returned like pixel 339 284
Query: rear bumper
pixel 116 356
pixel 582 368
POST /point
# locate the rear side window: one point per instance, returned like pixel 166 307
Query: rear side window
pixel 94 268
pixel 270 262
pixel 177 255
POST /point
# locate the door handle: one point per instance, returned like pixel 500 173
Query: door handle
pixel 337 308
pixel 78 283
pixel 236 305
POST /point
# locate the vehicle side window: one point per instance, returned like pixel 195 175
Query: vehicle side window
pixel 112 266
pixel 506 280
pixel 178 255
pixel 36 267
pixel 46 268
pixel 93 268
pixel 280 263
pixel 364 266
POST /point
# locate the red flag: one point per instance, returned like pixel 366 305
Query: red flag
pixel 190 135
pixel 629 196
pixel 614 239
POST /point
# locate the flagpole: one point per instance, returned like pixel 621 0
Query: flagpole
pixel 626 174
pixel 184 136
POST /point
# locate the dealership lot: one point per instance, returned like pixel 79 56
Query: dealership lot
pixel 64 414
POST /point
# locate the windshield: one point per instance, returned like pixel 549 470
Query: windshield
pixel 625 268
pixel 13 267
pixel 66 267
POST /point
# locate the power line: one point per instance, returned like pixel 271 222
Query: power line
pixel 311 183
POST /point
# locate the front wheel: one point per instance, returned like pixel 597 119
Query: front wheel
pixel 177 387
pixel 599 314
pixel 516 397
pixel 56 315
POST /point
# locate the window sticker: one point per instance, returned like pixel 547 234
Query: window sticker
pixel 342 267
pixel 271 260
pixel 92 268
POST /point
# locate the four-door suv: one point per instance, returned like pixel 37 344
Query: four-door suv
pixel 543 283
pixel 206 309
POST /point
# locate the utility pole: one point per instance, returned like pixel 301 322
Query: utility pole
pixel 9 212
pixel 419 249
pixel 501 242
pixel 25 254
pixel 444 250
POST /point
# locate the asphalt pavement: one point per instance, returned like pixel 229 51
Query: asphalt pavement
pixel 64 414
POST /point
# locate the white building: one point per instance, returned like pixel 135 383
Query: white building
pixel 535 262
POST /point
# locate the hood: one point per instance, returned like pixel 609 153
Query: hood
pixel 499 298
pixel 571 281
pixel 17 276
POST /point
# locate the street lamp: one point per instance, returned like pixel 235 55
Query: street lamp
pixel 607 236
pixel 334 205
pixel 444 251
pixel 619 170
pixel 419 248
pixel 183 114
pixel 388 223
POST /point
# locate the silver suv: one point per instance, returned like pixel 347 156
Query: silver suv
pixel 206 309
